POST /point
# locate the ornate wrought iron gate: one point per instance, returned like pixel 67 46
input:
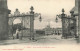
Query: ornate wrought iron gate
pixel 24 25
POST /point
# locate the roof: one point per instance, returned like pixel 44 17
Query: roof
pixel 75 9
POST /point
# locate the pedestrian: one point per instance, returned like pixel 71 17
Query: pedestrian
pixel 20 34
pixel 17 33
pixel 14 36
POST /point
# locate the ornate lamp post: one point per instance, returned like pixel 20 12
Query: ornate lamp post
pixel 61 16
pixel 40 18
pixel 32 22
pixel 68 24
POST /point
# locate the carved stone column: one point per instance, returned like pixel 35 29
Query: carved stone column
pixel 79 19
pixel 3 20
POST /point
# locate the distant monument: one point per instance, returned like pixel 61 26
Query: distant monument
pixel 3 20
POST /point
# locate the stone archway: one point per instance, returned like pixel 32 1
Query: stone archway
pixel 12 23
pixel 24 21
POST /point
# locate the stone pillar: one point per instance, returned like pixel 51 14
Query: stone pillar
pixel 76 3
pixel 76 12
pixel 3 20
pixel 63 20
pixel 79 19
pixel 32 24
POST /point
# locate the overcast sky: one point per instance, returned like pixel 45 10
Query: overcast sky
pixel 48 9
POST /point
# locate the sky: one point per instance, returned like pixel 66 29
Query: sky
pixel 48 9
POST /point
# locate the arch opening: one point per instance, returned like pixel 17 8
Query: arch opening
pixel 17 21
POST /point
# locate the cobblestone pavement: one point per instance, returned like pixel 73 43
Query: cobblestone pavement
pixel 50 39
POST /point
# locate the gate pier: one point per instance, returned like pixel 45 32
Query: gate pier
pixel 3 20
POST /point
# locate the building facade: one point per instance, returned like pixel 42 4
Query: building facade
pixel 50 31
pixel 57 31
pixel 75 9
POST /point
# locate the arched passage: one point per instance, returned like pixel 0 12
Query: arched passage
pixel 17 21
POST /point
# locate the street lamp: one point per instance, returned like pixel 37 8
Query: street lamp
pixel 40 19
pixel 56 19
pixel 60 15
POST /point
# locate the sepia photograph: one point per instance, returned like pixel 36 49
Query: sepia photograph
pixel 35 25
